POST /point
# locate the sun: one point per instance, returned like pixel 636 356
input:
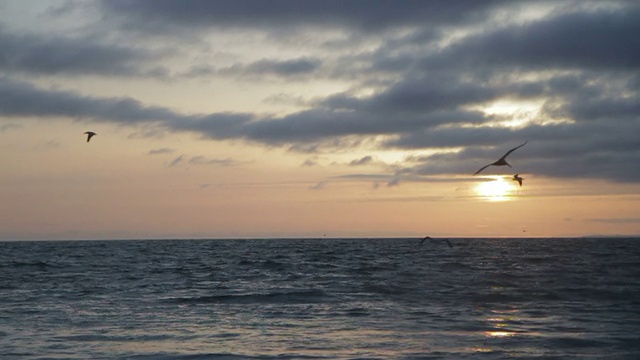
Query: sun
pixel 494 190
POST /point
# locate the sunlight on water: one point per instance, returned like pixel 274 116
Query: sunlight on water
pixel 481 349
pixel 499 333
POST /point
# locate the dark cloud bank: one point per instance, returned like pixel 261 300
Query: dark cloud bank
pixel 580 61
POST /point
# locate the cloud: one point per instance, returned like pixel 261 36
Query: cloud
pixel 9 127
pixel 197 160
pixel 45 54
pixel 310 162
pixel 568 147
pixel 600 39
pixel 201 160
pixel 362 161
pixel 397 178
pixel 418 76
pixel 319 186
pixel 394 182
pixel 616 220
pixel 51 144
pixel 283 68
pixel 422 94
pixel 177 161
pixel 161 151
pixel 23 99
pixel 159 15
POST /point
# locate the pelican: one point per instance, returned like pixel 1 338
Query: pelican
pixel 503 160
pixel 90 134
pixel 518 179
pixel 430 238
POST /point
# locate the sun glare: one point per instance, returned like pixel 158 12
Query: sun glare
pixel 494 190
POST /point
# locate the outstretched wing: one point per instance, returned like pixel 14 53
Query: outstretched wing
pixel 512 150
pixel 482 168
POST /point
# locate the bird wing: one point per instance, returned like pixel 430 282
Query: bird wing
pixel 482 168
pixel 449 242
pixel 512 150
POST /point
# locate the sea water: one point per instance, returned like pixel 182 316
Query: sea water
pixel 321 299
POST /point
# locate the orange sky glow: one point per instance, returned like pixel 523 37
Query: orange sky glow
pixel 301 127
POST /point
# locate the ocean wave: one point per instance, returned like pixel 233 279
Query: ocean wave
pixel 42 265
pixel 309 296
pixel 340 299
pixel 224 356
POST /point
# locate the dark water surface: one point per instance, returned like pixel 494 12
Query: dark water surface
pixel 321 299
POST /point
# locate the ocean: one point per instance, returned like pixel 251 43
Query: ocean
pixel 321 299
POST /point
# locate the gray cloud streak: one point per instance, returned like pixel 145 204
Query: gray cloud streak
pixel 161 151
pixel 283 68
pixel 583 40
pixel 55 55
pixel 24 99
pixel 155 15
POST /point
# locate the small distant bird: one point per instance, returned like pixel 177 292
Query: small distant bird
pixel 90 134
pixel 430 238
pixel 503 160
pixel 425 239
pixel 518 179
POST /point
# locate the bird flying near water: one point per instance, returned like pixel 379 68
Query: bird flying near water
pixel 503 160
pixel 90 134
pixel 425 239
pixel 518 179
pixel 430 238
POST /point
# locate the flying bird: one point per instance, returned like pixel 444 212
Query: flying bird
pixel 503 160
pixel 90 134
pixel 518 179
pixel 430 238
pixel 425 239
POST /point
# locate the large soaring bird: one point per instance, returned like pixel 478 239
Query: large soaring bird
pixel 503 160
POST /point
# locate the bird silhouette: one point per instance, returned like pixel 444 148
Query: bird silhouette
pixel 518 179
pixel 430 238
pixel 503 160
pixel 90 134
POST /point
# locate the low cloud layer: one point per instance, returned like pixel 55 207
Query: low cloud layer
pixel 422 78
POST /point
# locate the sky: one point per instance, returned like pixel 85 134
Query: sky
pixel 297 118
